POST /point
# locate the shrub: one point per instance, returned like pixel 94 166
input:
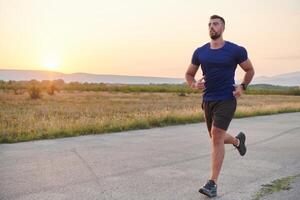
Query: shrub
pixel 35 92
pixel 51 89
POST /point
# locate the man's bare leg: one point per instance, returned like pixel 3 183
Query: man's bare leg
pixel 228 139
pixel 218 152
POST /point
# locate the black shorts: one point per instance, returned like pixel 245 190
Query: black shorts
pixel 219 113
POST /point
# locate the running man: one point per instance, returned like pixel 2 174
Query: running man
pixel 218 60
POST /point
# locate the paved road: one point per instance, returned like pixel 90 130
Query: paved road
pixel 161 163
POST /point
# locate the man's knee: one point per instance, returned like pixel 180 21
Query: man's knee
pixel 217 135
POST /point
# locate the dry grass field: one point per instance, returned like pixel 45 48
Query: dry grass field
pixel 77 113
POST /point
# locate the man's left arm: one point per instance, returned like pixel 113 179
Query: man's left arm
pixel 248 68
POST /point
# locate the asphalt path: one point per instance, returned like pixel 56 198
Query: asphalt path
pixel 160 163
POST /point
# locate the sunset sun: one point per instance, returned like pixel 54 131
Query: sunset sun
pixel 51 64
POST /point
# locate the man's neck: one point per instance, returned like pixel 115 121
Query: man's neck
pixel 216 44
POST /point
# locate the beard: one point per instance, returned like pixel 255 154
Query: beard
pixel 214 35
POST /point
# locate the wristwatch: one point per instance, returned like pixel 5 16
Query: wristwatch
pixel 244 86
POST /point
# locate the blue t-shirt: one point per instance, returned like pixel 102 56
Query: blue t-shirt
pixel 218 66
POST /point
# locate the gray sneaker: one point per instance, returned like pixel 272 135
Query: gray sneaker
pixel 242 147
pixel 209 189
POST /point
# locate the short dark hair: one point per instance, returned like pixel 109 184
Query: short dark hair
pixel 218 17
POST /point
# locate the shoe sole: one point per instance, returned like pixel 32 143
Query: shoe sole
pixel 207 193
pixel 243 138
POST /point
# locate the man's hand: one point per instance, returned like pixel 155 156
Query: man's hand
pixel 238 91
pixel 199 84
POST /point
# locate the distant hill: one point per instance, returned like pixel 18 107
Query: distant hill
pixel 289 79
pixel 19 75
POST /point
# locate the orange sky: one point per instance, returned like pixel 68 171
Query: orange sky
pixel 148 38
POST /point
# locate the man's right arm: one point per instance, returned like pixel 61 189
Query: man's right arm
pixel 190 77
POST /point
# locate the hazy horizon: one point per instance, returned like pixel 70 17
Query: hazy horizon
pixel 142 38
pixel 69 73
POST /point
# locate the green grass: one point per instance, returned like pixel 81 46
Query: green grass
pixel 241 114
pixel 275 186
pixel 273 89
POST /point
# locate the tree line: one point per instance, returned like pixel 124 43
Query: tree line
pixel 35 88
